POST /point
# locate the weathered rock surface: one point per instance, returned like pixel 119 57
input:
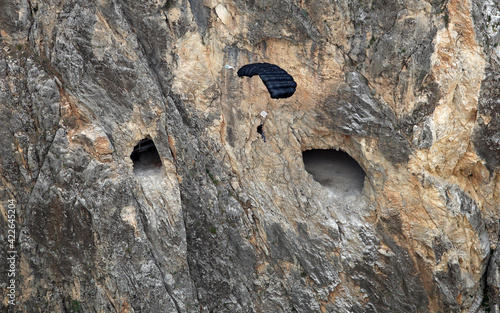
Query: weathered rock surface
pixel 228 223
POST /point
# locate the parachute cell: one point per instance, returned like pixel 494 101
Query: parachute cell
pixel 278 82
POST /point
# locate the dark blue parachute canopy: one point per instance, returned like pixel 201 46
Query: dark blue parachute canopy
pixel 278 82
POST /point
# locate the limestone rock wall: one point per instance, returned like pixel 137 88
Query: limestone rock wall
pixel 229 223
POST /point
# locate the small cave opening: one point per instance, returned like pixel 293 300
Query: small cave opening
pixel 335 170
pixel 145 156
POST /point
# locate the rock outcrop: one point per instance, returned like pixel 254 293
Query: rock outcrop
pixel 228 222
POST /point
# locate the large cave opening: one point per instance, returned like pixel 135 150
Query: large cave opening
pixel 335 170
pixel 145 157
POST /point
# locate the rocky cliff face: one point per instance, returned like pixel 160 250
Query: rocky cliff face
pixel 228 223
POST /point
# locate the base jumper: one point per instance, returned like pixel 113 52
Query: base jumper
pixel 260 130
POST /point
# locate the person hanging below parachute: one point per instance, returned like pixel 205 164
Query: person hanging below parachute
pixel 279 83
pixel 260 130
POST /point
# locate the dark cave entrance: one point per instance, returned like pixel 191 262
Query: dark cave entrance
pixel 336 170
pixel 145 156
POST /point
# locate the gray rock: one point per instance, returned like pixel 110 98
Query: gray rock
pixel 228 223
